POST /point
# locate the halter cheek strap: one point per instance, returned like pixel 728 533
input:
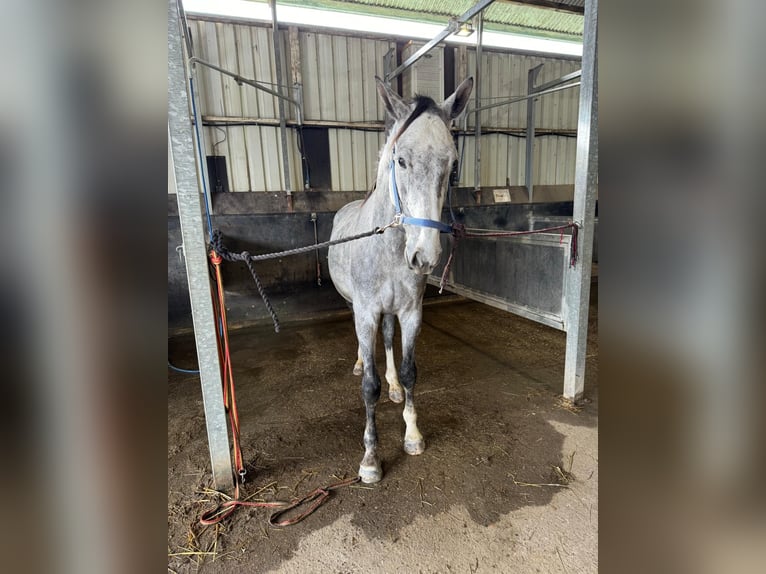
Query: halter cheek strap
pixel 399 217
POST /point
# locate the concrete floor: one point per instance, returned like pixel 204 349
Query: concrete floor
pixel 508 481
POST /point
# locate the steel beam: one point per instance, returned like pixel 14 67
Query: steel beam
pixel 586 177
pixel 451 28
pixel 477 118
pixel 529 163
pixel 527 97
pixel 558 81
pixel 282 125
pixel 192 232
pixel 257 85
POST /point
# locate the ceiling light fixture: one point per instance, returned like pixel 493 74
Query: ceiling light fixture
pixel 465 29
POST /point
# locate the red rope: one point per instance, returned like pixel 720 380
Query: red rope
pixel 317 497
pixel 230 398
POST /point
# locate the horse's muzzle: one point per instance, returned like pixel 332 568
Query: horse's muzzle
pixel 419 264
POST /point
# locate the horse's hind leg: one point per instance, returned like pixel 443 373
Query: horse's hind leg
pixel 395 392
pixel 366 331
pixel 410 324
pixel 359 365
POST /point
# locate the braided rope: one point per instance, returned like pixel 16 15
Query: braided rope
pixel 216 245
pixel 459 231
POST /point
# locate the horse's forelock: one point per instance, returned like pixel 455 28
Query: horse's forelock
pixel 423 104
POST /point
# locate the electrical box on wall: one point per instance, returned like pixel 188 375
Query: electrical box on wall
pixel 426 76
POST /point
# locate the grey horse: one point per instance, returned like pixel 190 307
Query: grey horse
pixel 384 276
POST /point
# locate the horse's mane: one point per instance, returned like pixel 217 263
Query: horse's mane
pixel 422 104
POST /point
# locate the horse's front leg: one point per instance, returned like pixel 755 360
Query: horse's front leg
pixel 395 392
pixel 366 331
pixel 410 324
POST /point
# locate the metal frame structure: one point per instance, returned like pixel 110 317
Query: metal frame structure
pixel 190 215
pixel 572 314
pixel 586 180
pixel 281 103
pixel 577 280
pixel 532 93
pixel 452 27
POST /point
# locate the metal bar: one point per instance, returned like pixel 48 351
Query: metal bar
pixel 242 80
pixel 586 176
pixel 388 60
pixel 529 163
pixel 190 215
pixel 477 117
pixel 527 97
pixel 297 78
pixel 282 126
pixel 199 136
pixel 451 28
pixel 448 31
pixel 501 303
pixel 558 81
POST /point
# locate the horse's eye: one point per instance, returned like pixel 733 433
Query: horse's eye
pixel 402 163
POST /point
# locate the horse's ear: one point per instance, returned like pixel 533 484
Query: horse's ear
pixel 456 103
pixel 394 104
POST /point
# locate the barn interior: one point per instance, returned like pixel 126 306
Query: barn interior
pixel 509 477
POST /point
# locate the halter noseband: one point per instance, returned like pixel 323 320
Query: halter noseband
pixel 399 217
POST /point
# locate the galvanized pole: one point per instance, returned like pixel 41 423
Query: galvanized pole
pixel 192 232
pixel 281 104
pixel 529 164
pixel 477 104
pixel 586 176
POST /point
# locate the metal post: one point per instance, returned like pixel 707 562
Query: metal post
pixel 586 175
pixel 529 164
pixel 389 60
pixel 477 104
pixel 281 103
pixel 192 232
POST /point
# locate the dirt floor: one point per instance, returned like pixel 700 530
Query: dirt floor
pixel 508 481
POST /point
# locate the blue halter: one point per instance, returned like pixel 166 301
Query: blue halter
pixel 399 217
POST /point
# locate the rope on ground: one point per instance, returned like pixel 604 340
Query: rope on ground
pixel 317 497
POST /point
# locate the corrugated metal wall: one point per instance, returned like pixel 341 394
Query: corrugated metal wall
pixel 504 76
pixel 337 72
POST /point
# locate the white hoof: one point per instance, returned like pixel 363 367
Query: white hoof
pixel 370 474
pixel 396 395
pixel 358 369
pixel 414 447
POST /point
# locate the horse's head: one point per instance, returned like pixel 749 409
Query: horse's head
pixel 421 147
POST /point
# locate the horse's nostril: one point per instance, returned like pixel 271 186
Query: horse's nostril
pixel 416 261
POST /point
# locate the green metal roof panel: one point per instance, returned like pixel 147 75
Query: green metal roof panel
pixel 501 16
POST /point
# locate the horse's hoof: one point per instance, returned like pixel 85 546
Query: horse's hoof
pixel 358 369
pixel 396 395
pixel 370 474
pixel 414 447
